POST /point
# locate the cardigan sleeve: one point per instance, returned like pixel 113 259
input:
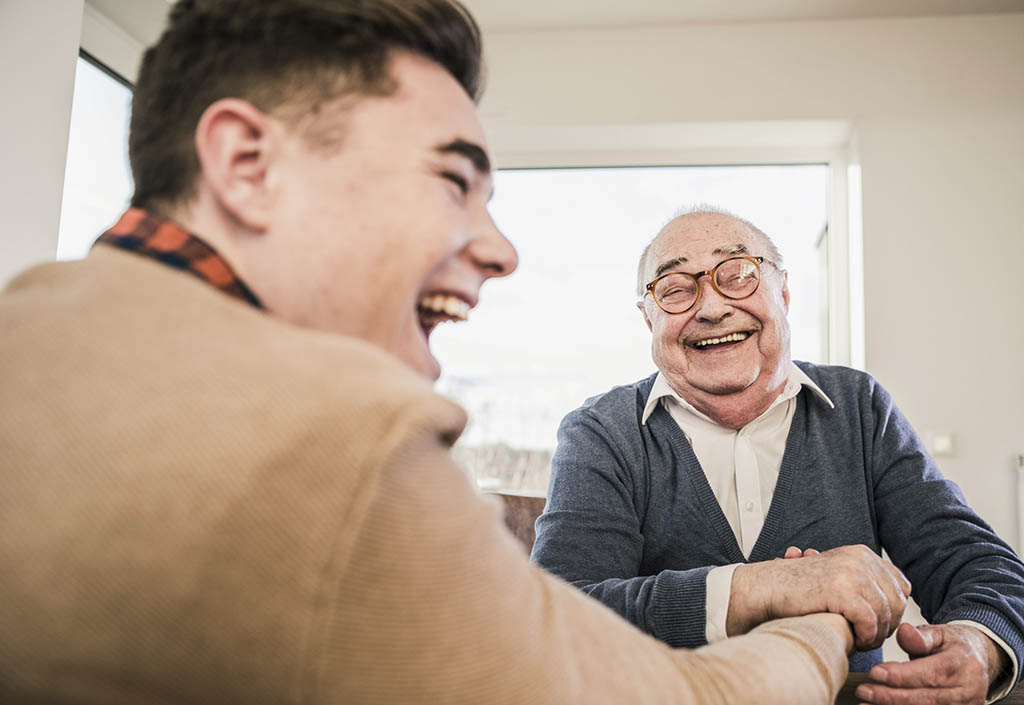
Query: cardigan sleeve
pixel 958 567
pixel 438 603
pixel 590 533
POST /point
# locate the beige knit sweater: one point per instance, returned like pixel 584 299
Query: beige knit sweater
pixel 201 504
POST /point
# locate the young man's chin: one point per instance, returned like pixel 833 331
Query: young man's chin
pixel 419 357
pixel 431 369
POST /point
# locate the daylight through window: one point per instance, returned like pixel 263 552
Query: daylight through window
pixel 565 327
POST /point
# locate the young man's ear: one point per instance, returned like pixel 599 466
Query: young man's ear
pixel 232 142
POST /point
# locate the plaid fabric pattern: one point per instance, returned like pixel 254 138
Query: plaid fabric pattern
pixel 150 236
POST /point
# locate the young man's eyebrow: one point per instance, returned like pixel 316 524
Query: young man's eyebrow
pixel 471 151
pixel 669 264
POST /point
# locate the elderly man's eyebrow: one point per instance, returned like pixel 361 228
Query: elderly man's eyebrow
pixel 734 250
pixel 669 264
pixel 470 150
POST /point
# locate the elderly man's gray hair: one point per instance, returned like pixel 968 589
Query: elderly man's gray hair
pixel 704 209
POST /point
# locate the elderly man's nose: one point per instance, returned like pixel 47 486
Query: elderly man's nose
pixel 711 306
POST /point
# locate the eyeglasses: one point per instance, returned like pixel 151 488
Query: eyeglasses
pixel 734 278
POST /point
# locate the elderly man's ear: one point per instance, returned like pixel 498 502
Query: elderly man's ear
pixel 234 141
pixel 643 311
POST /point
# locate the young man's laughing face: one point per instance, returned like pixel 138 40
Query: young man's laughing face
pixel 388 234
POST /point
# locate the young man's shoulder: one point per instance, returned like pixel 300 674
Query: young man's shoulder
pixel 134 332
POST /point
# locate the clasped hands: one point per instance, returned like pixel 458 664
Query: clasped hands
pixel 949 663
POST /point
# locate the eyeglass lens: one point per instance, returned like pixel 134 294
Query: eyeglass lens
pixel 735 278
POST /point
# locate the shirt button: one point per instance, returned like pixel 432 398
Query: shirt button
pixel 750 506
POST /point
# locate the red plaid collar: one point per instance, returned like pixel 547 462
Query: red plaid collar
pixel 151 236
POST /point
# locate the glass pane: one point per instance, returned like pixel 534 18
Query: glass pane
pixel 97 179
pixel 535 348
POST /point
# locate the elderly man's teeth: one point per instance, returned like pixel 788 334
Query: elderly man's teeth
pixel 450 307
pixel 731 338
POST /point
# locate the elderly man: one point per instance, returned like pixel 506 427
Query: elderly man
pixel 670 497
pixel 226 478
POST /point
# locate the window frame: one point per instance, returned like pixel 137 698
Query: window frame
pixel 99 64
pixel 92 61
pixel 747 144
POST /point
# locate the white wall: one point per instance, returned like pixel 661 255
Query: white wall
pixel 38 49
pixel 937 113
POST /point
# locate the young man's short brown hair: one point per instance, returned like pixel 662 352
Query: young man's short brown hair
pixel 283 56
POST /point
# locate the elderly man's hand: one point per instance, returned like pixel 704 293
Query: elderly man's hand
pixel 950 663
pixel 850 580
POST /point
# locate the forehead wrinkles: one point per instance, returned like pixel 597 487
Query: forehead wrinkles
pixel 696 236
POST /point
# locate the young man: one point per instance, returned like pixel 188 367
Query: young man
pixel 226 476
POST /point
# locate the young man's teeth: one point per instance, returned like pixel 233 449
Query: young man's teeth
pixel 449 306
pixel 731 338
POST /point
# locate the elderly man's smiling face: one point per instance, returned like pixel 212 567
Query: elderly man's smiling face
pixel 735 379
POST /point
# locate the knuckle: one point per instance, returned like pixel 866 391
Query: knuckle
pixel 948 670
pixel 883 696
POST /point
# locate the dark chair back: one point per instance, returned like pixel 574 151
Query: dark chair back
pixel 521 513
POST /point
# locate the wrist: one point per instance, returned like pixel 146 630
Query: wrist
pixel 837 623
pixel 747 606
pixel 996 660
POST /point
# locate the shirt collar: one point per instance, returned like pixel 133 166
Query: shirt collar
pixel 795 381
pixel 167 242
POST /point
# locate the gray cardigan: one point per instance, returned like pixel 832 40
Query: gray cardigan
pixel 632 521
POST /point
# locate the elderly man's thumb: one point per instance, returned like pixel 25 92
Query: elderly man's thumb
pixel 918 641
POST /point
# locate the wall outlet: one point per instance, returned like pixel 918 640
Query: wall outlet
pixel 941 445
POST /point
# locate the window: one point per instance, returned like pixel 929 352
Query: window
pixel 565 327
pixel 97 179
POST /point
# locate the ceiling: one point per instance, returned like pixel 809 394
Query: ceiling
pixel 143 19
pixel 505 15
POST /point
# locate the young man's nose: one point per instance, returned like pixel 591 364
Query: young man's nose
pixel 491 250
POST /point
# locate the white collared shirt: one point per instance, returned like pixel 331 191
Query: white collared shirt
pixel 742 466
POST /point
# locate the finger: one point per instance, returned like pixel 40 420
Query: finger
pixel 793 552
pixel 934 671
pixel 861 616
pixel 918 641
pixel 864 590
pixel 885 580
pixel 888 579
pixel 891 583
pixel 877 694
pixel 811 552
pixel 879 600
